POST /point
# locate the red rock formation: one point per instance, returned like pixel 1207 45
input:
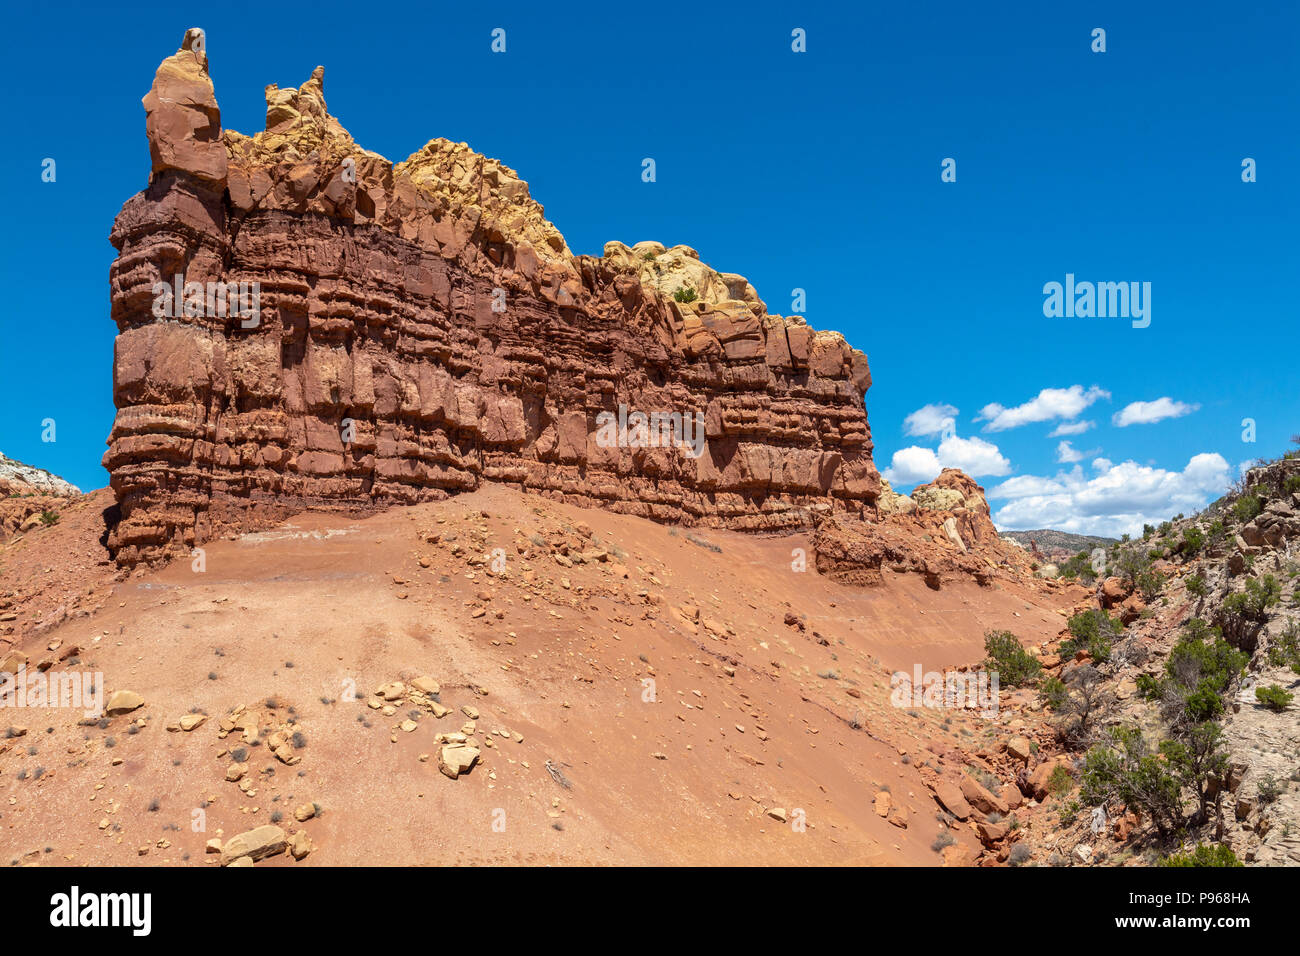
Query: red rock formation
pixel 948 534
pixel 421 328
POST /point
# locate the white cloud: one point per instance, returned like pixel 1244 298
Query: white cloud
pixel 1067 454
pixel 1118 499
pixel 1146 413
pixel 1024 486
pixel 975 456
pixel 1048 404
pixel 1071 428
pixel 931 420
pixel 912 465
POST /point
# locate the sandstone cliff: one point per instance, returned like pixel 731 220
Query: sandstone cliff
pixel 421 328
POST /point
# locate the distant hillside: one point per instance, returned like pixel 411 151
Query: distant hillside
pixel 1058 544
pixel 18 479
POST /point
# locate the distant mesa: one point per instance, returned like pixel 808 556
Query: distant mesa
pixel 1057 545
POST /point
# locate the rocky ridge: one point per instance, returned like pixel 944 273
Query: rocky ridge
pixel 30 499
pixel 1056 546
pixel 17 479
pixel 1190 639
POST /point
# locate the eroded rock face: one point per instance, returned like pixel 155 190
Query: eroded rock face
pixel 947 533
pixel 419 328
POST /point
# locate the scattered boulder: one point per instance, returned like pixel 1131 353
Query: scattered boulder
pixel 1012 796
pixel 1019 748
pixel 950 798
pixel 455 759
pixel 1038 781
pixel 254 844
pixel 300 845
pixel 991 833
pixel 1114 591
pixel 426 685
pixel 980 798
pixel 123 702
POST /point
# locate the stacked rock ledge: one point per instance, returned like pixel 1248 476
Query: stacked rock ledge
pixel 422 328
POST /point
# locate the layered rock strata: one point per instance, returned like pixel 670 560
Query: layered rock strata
pixel 305 324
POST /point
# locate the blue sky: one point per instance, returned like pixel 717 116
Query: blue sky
pixel 816 170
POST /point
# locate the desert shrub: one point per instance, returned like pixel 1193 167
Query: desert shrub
pixel 1285 649
pixel 1094 631
pixel 1291 485
pixel 1079 566
pixel 1196 586
pixel 1132 562
pixel 685 294
pixel 1202 703
pixel 1053 693
pixel 1199 669
pixel 1088 695
pixel 1123 768
pixel 1069 813
pixel 1270 788
pixel 1014 665
pixel 49 517
pixel 1212 854
pixel 1019 856
pixel 1248 506
pixel 1243 614
pixel 1198 759
pixel 1193 541
pixel 1274 697
pixel 1149 583
pixel 1060 782
pixel 1148 687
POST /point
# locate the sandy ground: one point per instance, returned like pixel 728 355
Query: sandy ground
pixel 662 682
